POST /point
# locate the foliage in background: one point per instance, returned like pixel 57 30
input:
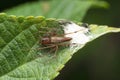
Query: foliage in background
pixel 64 9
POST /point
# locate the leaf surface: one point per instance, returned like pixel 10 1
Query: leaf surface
pixel 20 56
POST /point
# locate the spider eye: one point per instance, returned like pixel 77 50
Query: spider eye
pixel 45 40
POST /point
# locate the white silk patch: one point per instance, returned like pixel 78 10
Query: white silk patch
pixel 77 33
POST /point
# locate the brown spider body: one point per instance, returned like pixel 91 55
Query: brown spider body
pixel 54 40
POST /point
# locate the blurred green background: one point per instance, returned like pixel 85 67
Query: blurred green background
pixel 98 60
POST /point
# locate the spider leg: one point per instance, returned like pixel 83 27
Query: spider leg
pixel 50 46
pixel 53 48
pixel 56 48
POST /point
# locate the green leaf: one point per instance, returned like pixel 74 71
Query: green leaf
pixel 64 9
pixel 20 55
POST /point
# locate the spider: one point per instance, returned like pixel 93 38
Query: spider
pixel 54 40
